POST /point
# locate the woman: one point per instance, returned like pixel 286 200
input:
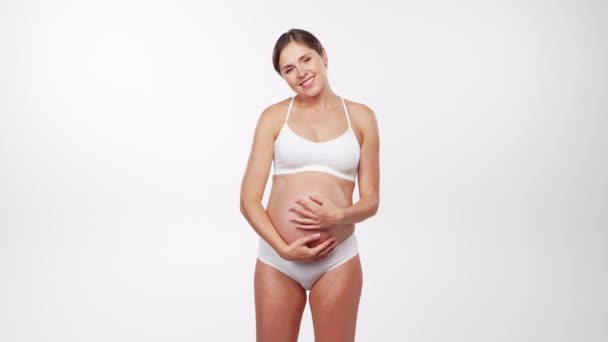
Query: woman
pixel 318 143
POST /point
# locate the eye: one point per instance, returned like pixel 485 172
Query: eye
pixel 288 70
pixel 306 59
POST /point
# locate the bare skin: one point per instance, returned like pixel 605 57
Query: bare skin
pixel 306 203
pixel 286 189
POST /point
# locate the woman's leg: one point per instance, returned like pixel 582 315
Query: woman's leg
pixel 279 304
pixel 334 302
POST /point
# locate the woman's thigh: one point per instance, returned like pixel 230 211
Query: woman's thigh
pixel 279 304
pixel 334 302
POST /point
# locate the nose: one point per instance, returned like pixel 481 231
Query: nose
pixel 301 72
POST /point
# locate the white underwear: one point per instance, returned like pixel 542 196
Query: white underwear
pixel 307 273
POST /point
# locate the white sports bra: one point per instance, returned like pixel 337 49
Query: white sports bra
pixel 338 156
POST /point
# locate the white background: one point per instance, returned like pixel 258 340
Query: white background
pixel 125 127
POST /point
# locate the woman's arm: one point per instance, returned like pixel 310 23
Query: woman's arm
pixel 317 212
pixel 255 178
pixel 369 169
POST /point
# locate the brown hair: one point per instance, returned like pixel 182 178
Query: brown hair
pixel 298 36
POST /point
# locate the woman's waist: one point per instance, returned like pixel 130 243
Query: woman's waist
pixel 283 209
pixel 346 239
pixel 286 189
pixel 335 189
pixel 290 230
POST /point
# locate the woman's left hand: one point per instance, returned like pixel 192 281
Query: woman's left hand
pixel 315 212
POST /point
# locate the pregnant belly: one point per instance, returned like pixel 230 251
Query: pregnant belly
pixel 287 188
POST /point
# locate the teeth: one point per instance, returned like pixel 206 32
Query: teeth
pixel 307 81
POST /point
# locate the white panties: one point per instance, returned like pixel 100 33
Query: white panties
pixel 307 273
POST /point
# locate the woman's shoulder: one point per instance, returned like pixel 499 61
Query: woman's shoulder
pixel 360 113
pixel 278 108
pixel 272 116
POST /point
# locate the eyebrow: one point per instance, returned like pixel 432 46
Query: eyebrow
pixel 299 59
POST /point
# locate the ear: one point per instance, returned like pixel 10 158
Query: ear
pixel 324 55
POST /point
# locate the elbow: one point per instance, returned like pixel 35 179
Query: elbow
pixel 243 206
pixel 375 205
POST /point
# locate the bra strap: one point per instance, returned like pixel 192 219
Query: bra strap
pixel 345 111
pixel 289 109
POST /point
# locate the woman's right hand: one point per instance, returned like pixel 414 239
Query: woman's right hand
pixel 299 250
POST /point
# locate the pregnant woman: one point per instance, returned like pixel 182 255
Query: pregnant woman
pixel 319 144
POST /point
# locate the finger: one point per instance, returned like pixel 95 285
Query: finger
pixel 302 212
pixel 306 239
pixel 303 220
pixel 307 223
pixel 318 249
pixel 315 198
pixel 317 225
pixel 329 248
pixel 327 251
pixel 325 256
pixel 309 227
pixel 306 203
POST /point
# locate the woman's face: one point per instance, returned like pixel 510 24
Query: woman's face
pixel 303 68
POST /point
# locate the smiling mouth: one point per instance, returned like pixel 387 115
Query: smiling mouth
pixel 307 81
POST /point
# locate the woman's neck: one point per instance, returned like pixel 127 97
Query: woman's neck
pixel 320 102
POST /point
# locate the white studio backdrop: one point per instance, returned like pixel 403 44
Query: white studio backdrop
pixel 125 127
